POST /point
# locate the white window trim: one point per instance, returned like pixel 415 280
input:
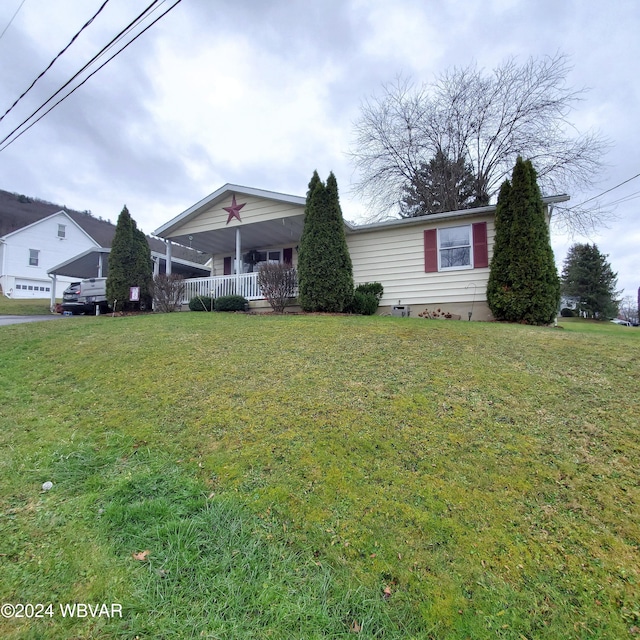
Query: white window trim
pixel 37 257
pixel 470 245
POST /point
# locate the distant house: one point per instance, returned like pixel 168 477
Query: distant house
pixel 27 253
pixel 438 262
pixel 44 247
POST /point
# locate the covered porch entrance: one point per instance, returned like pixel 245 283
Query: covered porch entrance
pixel 239 228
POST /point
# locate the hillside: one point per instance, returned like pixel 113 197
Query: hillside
pixel 17 211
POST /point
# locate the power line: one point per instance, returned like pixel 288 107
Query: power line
pixel 86 24
pixel 12 18
pixel 575 206
pixel 100 53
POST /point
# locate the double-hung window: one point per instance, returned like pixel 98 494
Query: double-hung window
pixel 33 257
pixel 454 247
pixel 62 231
pixel 458 247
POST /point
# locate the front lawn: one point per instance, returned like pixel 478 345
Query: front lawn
pixel 239 476
pixel 11 307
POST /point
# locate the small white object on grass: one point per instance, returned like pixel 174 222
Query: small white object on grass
pixel 47 485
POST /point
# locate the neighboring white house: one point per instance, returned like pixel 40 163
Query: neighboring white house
pixel 436 262
pixel 27 253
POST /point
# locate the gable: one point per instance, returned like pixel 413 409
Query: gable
pixel 47 228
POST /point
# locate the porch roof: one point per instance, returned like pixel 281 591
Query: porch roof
pixel 278 221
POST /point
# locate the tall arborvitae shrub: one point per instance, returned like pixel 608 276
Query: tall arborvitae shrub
pixel 523 284
pixel 325 272
pixel 498 292
pixel 143 269
pixel 129 264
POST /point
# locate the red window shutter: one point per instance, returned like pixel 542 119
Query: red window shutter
pixel 227 266
pixel 480 247
pixel 430 250
pixel 287 255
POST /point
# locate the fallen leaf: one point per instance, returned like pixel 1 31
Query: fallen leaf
pixel 355 627
pixel 386 594
pixel 142 556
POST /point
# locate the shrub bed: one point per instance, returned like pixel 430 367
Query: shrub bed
pixel 201 303
pixel 231 303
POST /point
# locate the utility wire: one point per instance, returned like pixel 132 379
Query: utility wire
pixel 86 24
pixel 130 26
pixel 12 18
pixel 575 206
pixel 2 148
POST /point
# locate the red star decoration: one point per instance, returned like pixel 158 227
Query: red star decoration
pixel 234 209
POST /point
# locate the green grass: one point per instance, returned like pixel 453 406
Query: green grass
pixel 13 307
pixel 283 471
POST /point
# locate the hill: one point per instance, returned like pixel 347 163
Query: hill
pixel 17 211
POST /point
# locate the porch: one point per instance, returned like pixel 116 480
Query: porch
pixel 242 284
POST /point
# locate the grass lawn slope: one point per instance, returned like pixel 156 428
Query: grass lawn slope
pixel 237 476
pixel 10 307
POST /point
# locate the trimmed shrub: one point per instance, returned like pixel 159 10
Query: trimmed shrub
pixel 374 288
pixel 201 303
pixel 231 303
pixel 364 304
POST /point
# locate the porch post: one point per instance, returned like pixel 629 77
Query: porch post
pixel 168 258
pixel 238 260
pixel 54 284
pixel 99 265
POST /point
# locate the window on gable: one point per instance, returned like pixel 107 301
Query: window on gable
pixel 62 231
pixel 33 257
pixel 454 247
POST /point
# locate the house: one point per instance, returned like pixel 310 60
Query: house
pixel 28 252
pixel 436 262
pixel 44 247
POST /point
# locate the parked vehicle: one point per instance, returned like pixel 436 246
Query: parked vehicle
pixel 70 300
pixel 88 296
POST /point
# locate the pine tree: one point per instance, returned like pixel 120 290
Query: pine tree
pixel 587 278
pixel 440 185
pixel 129 263
pixel 523 284
pixel 325 273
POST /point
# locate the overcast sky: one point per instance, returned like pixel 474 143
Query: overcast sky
pixel 260 93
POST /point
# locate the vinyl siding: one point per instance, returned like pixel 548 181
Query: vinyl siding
pixel 255 210
pixel 395 257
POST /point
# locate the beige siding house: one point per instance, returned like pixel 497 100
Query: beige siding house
pixel 438 263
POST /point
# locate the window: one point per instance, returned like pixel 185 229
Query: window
pixel 461 247
pixel 62 233
pixel 454 247
pixel 33 257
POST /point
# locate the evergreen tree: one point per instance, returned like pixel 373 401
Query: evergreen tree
pixel 588 279
pixel 440 185
pixel 129 263
pixel 523 283
pixel 143 270
pixel 325 273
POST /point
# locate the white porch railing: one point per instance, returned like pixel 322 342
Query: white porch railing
pixel 245 285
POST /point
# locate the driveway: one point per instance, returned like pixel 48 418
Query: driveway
pixel 4 320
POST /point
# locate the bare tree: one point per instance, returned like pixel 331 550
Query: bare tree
pixel 489 119
pixel 277 281
pixel 168 291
